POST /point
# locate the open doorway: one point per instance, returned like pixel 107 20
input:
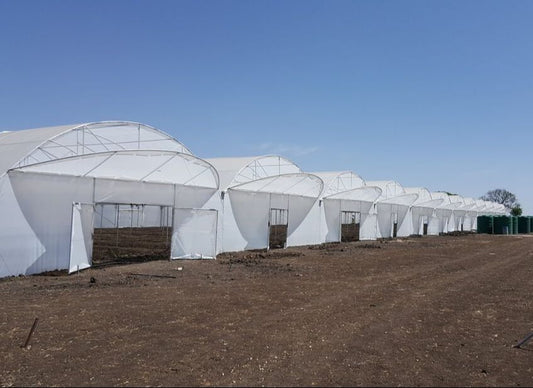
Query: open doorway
pixel 129 233
pixel 350 225
pixel 277 228
pixel 394 221
pixel 424 225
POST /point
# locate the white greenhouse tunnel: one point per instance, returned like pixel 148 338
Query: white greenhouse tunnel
pixel 60 185
pixel 391 209
pixel 444 211
pixel 260 195
pixel 345 200
pixel 424 220
pixel 52 178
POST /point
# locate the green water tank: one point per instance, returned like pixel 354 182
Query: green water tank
pixel 514 220
pixel 523 225
pixel 485 224
pixel 502 225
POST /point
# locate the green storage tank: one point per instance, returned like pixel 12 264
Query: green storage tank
pixel 530 224
pixel 485 224
pixel 523 225
pixel 514 221
pixel 502 225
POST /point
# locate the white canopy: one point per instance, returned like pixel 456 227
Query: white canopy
pixel 52 178
pixel 389 189
pixel 259 188
pixel 143 166
pixel 298 184
pixel 21 148
pixel 234 171
pixel 339 181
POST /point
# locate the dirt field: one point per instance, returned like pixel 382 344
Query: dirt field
pixel 420 311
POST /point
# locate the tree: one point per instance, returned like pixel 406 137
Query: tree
pixel 516 211
pixel 502 196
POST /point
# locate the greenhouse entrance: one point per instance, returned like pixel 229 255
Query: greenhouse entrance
pixel 424 225
pixel 129 233
pixel 394 220
pixel 350 225
pixel 277 227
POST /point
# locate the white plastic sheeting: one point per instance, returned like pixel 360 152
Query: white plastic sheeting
pixel 251 203
pixel 360 200
pixel 164 167
pixel 49 215
pixel 343 191
pixel 21 148
pixel 111 162
pixel 194 234
pixel 81 243
pixel 443 211
pixel 234 171
pixel 422 212
pixel 52 180
pixel 391 208
pixel 393 211
pixel 464 213
pixel 250 188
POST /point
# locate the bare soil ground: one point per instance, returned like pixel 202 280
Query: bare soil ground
pixel 431 311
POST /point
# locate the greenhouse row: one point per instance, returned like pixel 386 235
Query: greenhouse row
pixel 61 188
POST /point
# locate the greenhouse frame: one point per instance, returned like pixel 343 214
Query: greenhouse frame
pixel 63 188
pixel 263 202
pixel 53 179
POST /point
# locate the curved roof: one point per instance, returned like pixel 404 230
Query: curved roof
pixel 469 204
pixel 235 171
pixel 447 202
pixel 388 188
pixel 26 147
pixel 423 194
pixel 299 184
pixel 404 200
pixel 339 181
pixel 143 166
pixel 495 208
pixel 431 204
pixel 364 194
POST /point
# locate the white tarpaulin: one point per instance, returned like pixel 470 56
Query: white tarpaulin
pixel 81 242
pixel 194 234
pixel 250 188
pixel 44 171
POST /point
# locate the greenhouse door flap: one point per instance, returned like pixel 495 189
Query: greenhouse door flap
pixel 81 237
pixel 194 234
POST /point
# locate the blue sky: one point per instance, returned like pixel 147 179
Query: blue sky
pixel 429 93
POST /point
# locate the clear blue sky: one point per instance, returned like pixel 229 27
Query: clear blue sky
pixel 429 93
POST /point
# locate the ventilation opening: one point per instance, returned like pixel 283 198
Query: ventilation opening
pixel 131 233
pixel 278 225
pixel 350 225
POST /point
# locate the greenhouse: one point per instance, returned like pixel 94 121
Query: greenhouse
pixel 58 183
pixel 263 202
pixel 465 215
pixel 391 209
pixel 444 212
pixel 424 220
pixel 72 196
pixel 342 211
